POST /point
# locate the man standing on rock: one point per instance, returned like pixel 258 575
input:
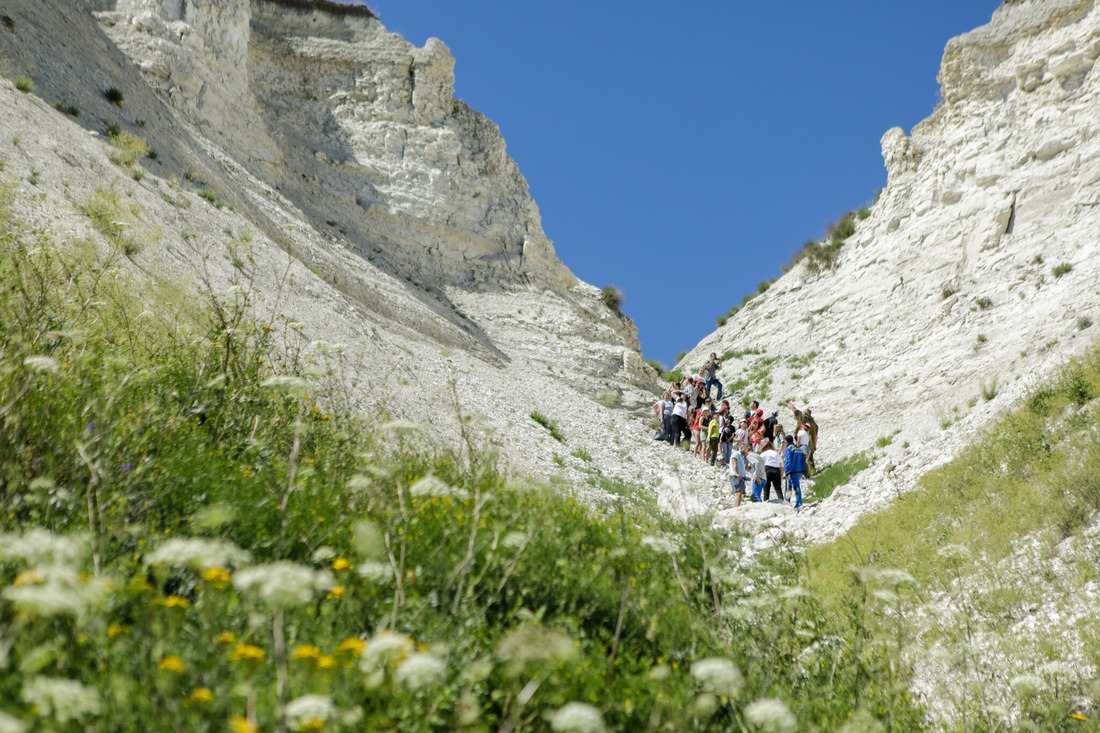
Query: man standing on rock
pixel 804 418
pixel 711 373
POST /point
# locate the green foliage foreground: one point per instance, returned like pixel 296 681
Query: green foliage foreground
pixel 197 537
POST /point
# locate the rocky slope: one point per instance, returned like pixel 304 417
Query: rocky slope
pixel 380 213
pixel 975 272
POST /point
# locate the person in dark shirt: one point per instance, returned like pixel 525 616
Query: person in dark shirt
pixel 769 425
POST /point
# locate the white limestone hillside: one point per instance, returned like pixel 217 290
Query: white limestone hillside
pixel 978 266
pixel 368 207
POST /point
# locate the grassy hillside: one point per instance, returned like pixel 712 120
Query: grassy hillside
pixel 200 531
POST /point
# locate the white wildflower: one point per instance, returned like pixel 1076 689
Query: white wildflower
pixel 771 715
pixel 660 544
pixel 1056 669
pixel 420 670
pixel 41 364
pixel 432 486
pixel 57 590
pixel 535 644
pixel 793 592
pixel 954 552
pixel 376 572
pixel 704 706
pixel 297 325
pixel 358 483
pixel 1028 684
pixel 895 578
pixel 10 724
pixel 214 516
pixel 324 553
pixel 41 546
pixel 197 553
pixel 62 699
pixel 718 675
pixel 304 710
pixel 293 386
pixel 383 647
pixel 284 584
pixel 577 717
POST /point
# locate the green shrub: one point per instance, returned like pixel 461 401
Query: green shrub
pixel 863 214
pixel 24 84
pixel 67 109
pixel 1083 322
pixel 948 290
pixel 989 389
pixel 613 298
pixel 720 321
pixel 1062 269
pixel 982 338
pixel 674 376
pixel 113 220
pixel 550 425
pixel 984 303
pixel 656 366
pixel 582 454
pixel 114 96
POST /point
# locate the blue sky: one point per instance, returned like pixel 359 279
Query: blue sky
pixel 684 151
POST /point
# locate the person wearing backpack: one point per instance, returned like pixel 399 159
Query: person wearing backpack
pixel 795 467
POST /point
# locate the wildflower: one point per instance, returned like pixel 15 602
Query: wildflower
pixel 237 724
pixel 57 591
pixel 176 602
pixel 354 646
pixel 40 363
pixel 9 724
pixel 246 653
pixel 1078 716
pixel 336 593
pixel 227 637
pixel 577 717
pixel 284 583
pixel 215 515
pixel 659 544
pixel 420 670
pixel 535 644
pixel 340 563
pixel 171 664
pixel 28 577
pixel 302 711
pixel 384 647
pixel 326 661
pixel 116 629
pixel 126 467
pixel 717 675
pixel 39 546
pixel 432 487
pixel 771 715
pixel 201 694
pixel 378 572
pixel 514 540
pixel 323 553
pixel 306 651
pixel 197 553
pixel 216 576
pixel 62 699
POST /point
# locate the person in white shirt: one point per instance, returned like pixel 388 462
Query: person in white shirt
pixel 738 473
pixel 756 471
pixel 679 419
pixel 773 470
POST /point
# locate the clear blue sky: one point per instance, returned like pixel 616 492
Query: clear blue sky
pixel 684 151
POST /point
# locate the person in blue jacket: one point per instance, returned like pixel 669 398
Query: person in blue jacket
pixel 794 466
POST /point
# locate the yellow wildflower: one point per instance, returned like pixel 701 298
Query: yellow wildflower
pixel 201 694
pixel 306 651
pixel 116 629
pixel 246 652
pixel 336 593
pixel 171 664
pixel 353 645
pixel 176 602
pixel 326 662
pixel 314 724
pixel 1078 716
pixel 28 577
pixel 341 563
pixel 217 576
pixel 227 637
pixel 237 724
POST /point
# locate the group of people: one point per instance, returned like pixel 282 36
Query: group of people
pixel 758 450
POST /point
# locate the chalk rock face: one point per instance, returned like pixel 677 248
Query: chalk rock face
pixel 354 125
pixel 974 272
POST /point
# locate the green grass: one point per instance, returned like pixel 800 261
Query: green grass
pixel 830 477
pixel 128 148
pixel 673 376
pixel 136 413
pixel 67 109
pixel 984 303
pixel 987 499
pixel 582 454
pixel 113 220
pixel 740 354
pixel 550 425
pixel 1062 269
pixel 24 84
pixel 114 96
